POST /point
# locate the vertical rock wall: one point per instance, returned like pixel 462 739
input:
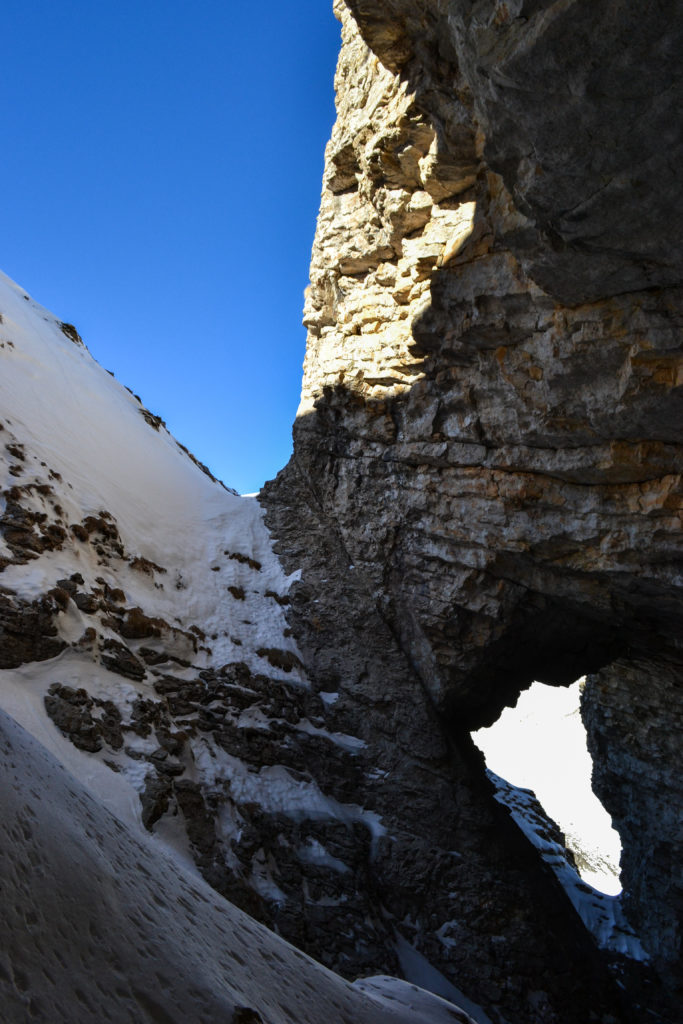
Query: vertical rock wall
pixel 491 406
pixel 634 718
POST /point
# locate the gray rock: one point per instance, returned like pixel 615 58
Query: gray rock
pixel 489 431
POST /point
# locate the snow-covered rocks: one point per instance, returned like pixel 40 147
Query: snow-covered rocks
pixel 263 724
pixel 103 923
pixel 145 640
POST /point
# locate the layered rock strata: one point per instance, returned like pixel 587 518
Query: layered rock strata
pixel 144 643
pixel 485 489
pixel 491 406
pixel 313 785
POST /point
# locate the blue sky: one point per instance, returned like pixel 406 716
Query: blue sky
pixel 161 175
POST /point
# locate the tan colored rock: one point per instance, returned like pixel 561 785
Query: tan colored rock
pixel 491 405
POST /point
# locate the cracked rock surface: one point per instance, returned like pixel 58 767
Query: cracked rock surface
pixel 485 490
pixel 490 423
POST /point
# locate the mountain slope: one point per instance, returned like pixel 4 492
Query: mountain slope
pixel 146 653
pixel 76 439
pixel 99 924
pixel 148 643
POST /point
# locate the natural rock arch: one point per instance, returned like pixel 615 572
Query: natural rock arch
pixel 490 419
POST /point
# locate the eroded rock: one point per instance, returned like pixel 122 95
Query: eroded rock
pixel 491 407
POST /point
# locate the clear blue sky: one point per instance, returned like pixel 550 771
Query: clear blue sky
pixel 161 169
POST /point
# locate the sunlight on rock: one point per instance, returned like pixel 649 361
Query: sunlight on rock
pixel 379 247
pixel 370 348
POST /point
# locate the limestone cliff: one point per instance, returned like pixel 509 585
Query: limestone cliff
pixel 489 432
pixel 485 489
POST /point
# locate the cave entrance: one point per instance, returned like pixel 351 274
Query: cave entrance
pixel 540 745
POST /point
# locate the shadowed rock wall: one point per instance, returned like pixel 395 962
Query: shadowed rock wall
pixel 491 404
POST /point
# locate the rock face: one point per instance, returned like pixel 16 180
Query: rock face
pixel 489 432
pixel 633 714
pixel 485 490
pixel 451 882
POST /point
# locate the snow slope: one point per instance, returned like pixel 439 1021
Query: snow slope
pixel 100 925
pixel 189 563
pixel 147 673
pixel 113 455
pixel 601 913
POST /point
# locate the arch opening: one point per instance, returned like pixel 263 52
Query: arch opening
pixel 540 745
pixel 538 760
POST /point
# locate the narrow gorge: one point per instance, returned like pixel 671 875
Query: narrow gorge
pixel 278 694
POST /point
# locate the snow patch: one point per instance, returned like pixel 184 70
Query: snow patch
pixel 601 914
pixel 315 853
pixel 419 971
